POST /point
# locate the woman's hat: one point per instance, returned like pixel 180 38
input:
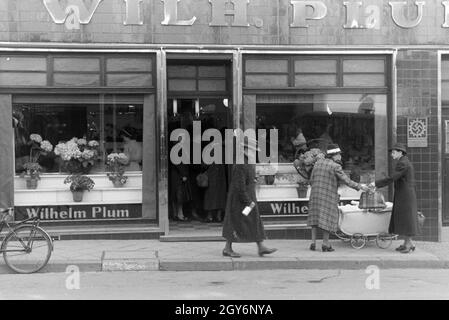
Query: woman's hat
pixel 399 147
pixel 333 148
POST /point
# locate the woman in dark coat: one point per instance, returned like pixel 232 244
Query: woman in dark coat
pixel 404 217
pixel 215 194
pixel 180 192
pixel 238 227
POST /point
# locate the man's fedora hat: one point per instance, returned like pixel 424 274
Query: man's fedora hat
pixel 399 147
pixel 333 148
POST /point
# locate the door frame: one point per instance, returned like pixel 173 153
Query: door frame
pixel 235 107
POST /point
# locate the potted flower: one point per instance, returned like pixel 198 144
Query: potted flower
pixel 79 184
pixel 78 155
pixel 32 174
pixel 32 168
pixel 116 165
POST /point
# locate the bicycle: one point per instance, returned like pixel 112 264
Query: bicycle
pixel 26 247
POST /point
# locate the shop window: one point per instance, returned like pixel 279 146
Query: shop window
pixel 267 66
pixel 76 71
pixel 261 73
pixel 95 70
pixel 320 71
pixel 23 71
pixel 266 81
pixel 364 73
pixel 203 78
pixel 356 122
pixel 316 73
pixel 107 123
pixel 128 72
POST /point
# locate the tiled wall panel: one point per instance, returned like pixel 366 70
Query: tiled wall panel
pixel 417 97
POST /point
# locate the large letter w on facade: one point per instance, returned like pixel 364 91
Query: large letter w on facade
pixel 59 14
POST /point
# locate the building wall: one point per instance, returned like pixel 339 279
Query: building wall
pixel 29 21
pixel 417 96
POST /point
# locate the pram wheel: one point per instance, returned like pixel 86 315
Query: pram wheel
pixel 358 241
pixel 384 240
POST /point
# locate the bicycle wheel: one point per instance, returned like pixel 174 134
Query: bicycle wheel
pixel 27 249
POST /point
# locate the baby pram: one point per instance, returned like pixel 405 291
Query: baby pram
pixel 359 225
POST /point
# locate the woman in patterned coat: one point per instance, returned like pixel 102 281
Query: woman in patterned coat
pixel 238 227
pixel 324 198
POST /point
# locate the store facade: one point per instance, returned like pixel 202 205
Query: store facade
pixel 362 74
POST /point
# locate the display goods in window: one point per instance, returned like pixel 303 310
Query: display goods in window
pixel 79 184
pixel 116 164
pixel 77 155
pixel 32 169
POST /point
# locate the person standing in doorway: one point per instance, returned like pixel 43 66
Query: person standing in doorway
pixel 239 227
pixel 215 194
pixel 404 217
pixel 324 197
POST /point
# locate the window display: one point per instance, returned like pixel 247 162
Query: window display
pixel 356 122
pixel 80 136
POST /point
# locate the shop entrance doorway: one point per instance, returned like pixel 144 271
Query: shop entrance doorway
pixel 190 202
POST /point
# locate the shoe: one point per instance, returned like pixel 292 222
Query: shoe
pixel 401 247
pixel 267 251
pixel 312 247
pixel 182 219
pixel 209 219
pixel 327 248
pixel 231 254
pixel 408 250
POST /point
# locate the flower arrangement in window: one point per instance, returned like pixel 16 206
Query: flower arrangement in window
pixel 78 184
pixel 32 168
pixel 78 155
pixel 304 164
pixel 116 163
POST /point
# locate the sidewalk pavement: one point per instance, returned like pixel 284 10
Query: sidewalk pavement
pixel 153 255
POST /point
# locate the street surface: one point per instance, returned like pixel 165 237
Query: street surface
pixel 231 285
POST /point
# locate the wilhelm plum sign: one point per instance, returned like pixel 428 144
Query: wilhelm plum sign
pixel 359 14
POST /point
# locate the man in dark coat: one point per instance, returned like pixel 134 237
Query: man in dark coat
pixel 404 217
pixel 238 227
pixel 324 197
